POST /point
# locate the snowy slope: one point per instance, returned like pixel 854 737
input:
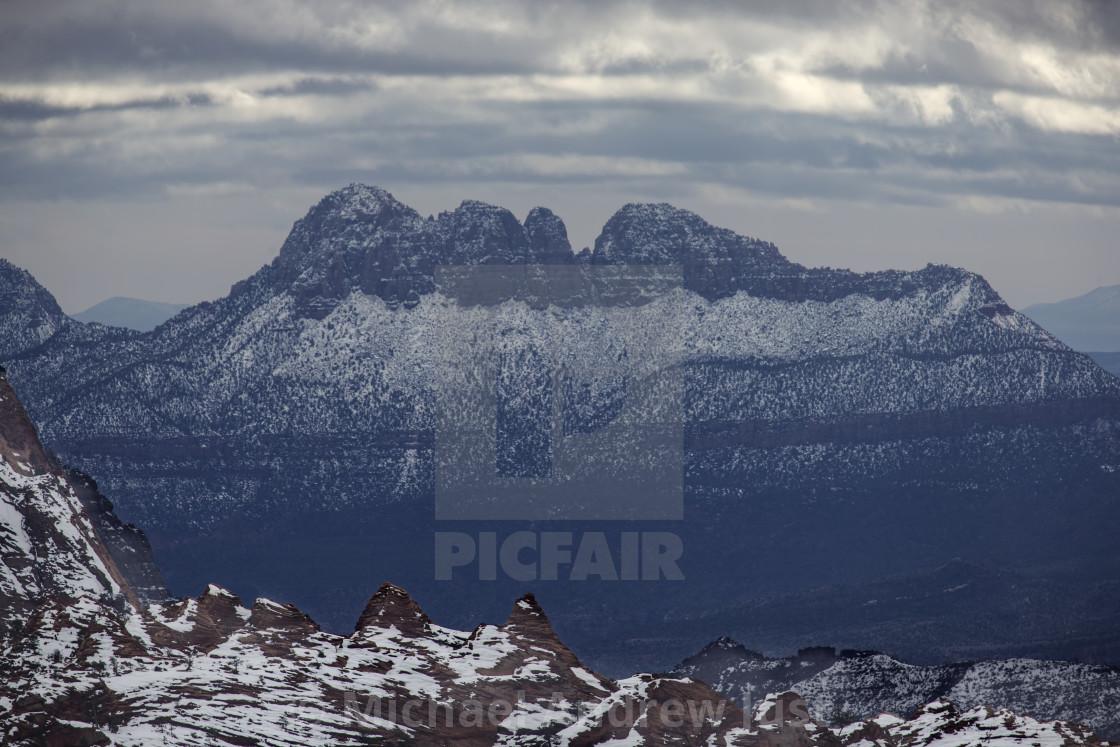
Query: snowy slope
pixel 862 684
pixel 50 543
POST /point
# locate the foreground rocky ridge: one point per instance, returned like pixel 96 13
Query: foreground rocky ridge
pixel 817 403
pixel 861 684
pixel 209 670
pixel 59 537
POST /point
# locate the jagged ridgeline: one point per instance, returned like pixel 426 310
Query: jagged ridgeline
pixel 862 684
pixel 837 428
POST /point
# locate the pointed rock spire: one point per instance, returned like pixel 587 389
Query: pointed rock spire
pixel 267 614
pixel 391 605
pixel 528 620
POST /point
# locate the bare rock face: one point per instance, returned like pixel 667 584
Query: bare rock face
pixel 127 544
pixel 392 607
pixel 548 237
pixel 49 546
pixel 59 537
pixel 361 239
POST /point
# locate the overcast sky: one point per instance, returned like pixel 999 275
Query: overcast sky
pixel 162 149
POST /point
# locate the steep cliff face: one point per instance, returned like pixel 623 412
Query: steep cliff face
pixel 818 406
pixel 51 540
pixel 361 239
pixel 29 315
pixel 48 544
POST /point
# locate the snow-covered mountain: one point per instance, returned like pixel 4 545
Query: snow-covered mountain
pixel 130 313
pixel 838 427
pixel 861 684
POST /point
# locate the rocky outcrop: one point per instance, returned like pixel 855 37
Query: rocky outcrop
pixel 392 607
pixel 210 671
pixel 29 314
pixel 59 536
pixel 126 543
pixel 856 685
pixel 49 547
pixel 361 239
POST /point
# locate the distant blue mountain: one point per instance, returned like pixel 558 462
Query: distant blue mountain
pixel 131 313
pixel 1108 361
pixel 1087 323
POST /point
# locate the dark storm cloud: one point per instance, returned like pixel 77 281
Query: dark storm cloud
pixel 168 42
pixel 33 109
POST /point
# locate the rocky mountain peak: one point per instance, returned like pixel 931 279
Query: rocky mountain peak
pixel 717 262
pixel 661 234
pixel 548 237
pixel 361 204
pixel 222 607
pixel 362 239
pixel 267 614
pixel 392 606
pixel 477 233
pixel 725 643
pixel 527 611
pixel 528 622
pixel 29 315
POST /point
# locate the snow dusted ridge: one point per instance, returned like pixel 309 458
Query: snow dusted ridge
pixel 210 671
pixel 29 315
pixel 862 684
